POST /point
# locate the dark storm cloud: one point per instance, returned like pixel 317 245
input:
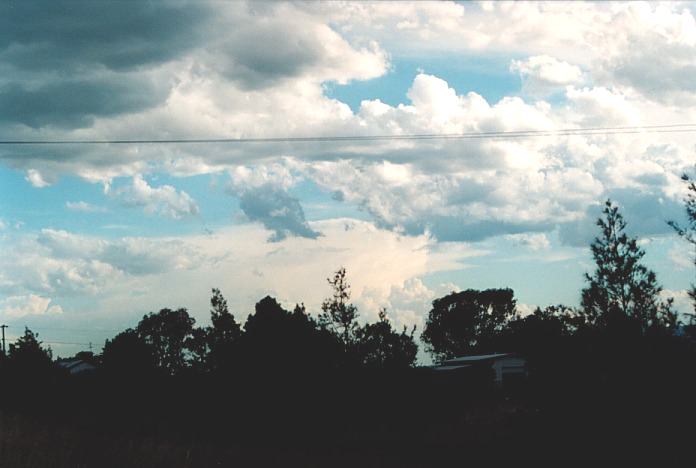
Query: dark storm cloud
pixel 50 35
pixel 259 46
pixel 75 103
pixel 259 55
pixel 65 63
pixel 646 214
pixel 277 211
pixel 456 229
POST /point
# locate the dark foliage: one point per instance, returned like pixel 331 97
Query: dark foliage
pixel 27 356
pixel 223 336
pixel 128 355
pixel 338 315
pixel 170 334
pixel 275 339
pixel 468 321
pixel 381 347
pixel 688 232
pixel 623 296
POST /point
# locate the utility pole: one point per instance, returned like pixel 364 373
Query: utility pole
pixel 4 351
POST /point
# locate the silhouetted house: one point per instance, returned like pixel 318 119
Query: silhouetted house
pixel 76 366
pixel 506 367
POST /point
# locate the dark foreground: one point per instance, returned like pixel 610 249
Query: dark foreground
pixel 628 413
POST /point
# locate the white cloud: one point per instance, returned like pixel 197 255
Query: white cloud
pixel 20 306
pixel 407 304
pixel 35 178
pixel 164 272
pixel 235 86
pixel 84 207
pixel 542 74
pixel 683 303
pixel 648 47
pixel 482 187
pixel 131 255
pixel 277 174
pixel 525 309
pixel 679 260
pixel 164 200
pixel 59 263
pixel 598 106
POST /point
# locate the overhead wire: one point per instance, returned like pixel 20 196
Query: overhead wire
pixel 579 131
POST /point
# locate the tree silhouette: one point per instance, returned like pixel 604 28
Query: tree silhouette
pixel 688 231
pixel 543 336
pixel 225 327
pixel 542 326
pixel 275 338
pixel 27 355
pixel 462 322
pixel 338 315
pixel 170 333
pixel 197 350
pixel 381 347
pixel 127 354
pixel 28 372
pixel 622 293
pixel 223 335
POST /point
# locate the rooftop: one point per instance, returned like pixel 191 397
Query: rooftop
pixel 475 358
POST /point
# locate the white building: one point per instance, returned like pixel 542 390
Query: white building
pixel 76 366
pixel 506 366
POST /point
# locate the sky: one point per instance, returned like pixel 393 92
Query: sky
pixel 94 236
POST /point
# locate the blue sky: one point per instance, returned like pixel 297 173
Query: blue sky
pixel 488 76
pixel 95 236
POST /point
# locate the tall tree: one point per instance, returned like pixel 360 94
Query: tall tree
pixel 467 321
pixel 170 333
pixel 381 347
pixel 543 335
pixel 28 372
pixel 622 292
pixel 225 327
pixel 338 315
pixel 27 354
pixel 688 231
pixel 223 335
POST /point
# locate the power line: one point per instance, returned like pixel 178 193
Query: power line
pixel 72 343
pixel 82 330
pixel 66 343
pixel 671 128
pixel 51 342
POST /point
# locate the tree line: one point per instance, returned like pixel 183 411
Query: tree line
pixel 622 300
pixel 169 342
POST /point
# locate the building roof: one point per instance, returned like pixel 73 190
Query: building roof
pixel 475 359
pixel 68 363
pixel 76 365
pixel 450 368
